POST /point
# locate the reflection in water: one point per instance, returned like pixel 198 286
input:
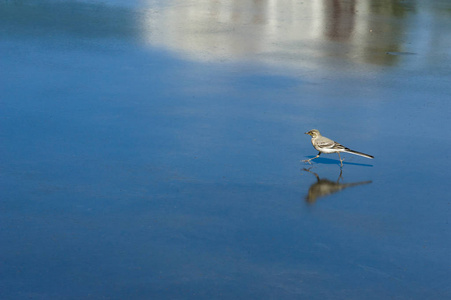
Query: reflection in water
pixel 340 19
pixel 77 19
pixel 326 187
pixel 303 34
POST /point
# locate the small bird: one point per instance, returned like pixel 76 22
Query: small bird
pixel 325 145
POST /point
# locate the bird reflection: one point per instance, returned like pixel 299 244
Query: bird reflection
pixel 326 187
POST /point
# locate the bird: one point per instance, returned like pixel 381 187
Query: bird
pixel 326 145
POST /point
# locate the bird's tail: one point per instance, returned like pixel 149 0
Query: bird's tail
pixel 358 153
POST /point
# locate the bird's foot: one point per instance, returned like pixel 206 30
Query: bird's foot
pixel 307 161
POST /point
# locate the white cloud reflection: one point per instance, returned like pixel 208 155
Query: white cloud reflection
pixel 287 32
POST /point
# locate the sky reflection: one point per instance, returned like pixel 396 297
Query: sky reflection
pixel 300 34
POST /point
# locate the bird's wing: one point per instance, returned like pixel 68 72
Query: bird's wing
pixel 324 142
pixel 338 146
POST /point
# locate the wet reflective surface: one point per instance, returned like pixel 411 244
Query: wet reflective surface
pixel 151 149
pixel 325 187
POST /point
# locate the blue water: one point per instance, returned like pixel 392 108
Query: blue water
pixel 151 150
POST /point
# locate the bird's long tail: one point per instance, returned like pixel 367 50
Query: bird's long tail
pixel 358 153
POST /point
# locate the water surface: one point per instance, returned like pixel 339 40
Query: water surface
pixel 151 149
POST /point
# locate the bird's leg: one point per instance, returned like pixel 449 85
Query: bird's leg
pixel 341 160
pixel 308 160
pixel 316 175
pixel 340 176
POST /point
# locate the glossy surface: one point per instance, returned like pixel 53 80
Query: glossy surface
pixel 151 150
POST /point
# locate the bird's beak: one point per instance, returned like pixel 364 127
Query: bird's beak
pixel 306 133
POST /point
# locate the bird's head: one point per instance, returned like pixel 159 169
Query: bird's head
pixel 313 133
